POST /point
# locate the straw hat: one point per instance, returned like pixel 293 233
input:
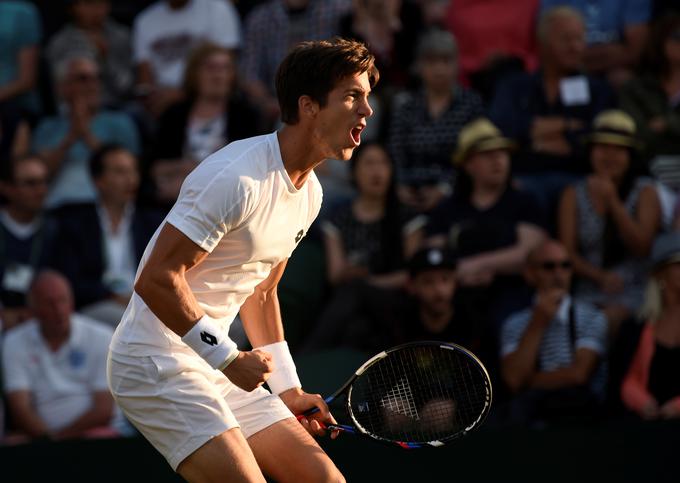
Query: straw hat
pixel 614 127
pixel 478 136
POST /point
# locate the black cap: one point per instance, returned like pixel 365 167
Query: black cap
pixel 431 258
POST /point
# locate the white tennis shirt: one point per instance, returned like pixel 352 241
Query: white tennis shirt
pixel 242 208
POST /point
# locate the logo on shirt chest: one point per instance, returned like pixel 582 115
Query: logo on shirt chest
pixel 299 236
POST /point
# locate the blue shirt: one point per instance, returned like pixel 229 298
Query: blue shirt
pixel 606 20
pixel 72 181
pixel 19 29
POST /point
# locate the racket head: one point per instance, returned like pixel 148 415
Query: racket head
pixel 420 394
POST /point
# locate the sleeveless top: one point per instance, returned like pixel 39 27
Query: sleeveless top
pixel 664 383
pixel 591 226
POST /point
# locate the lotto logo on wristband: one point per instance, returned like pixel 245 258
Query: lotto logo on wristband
pixel 208 338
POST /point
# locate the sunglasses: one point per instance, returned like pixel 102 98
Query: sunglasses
pixel 552 265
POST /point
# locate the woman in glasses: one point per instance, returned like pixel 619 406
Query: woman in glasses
pixel 608 220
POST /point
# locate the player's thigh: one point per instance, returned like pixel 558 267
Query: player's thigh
pixel 225 458
pixel 286 452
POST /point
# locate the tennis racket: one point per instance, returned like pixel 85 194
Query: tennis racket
pixel 420 394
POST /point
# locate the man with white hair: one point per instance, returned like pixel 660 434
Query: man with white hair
pixel 548 111
pixel 65 141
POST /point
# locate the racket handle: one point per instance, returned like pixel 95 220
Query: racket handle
pixel 330 427
pixel 315 409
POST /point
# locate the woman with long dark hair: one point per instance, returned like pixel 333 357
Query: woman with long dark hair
pixel 608 220
pixel 371 236
pixel 367 243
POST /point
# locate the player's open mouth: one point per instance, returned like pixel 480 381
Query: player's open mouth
pixel 356 134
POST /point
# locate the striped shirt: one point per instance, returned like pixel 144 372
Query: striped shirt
pixel 556 351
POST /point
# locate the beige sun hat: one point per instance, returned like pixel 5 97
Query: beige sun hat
pixel 615 127
pixel 478 136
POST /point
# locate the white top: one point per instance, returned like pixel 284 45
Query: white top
pixel 241 207
pixel 165 37
pixel 119 271
pixel 61 382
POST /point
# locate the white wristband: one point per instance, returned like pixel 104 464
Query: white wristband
pixel 211 341
pixel 285 375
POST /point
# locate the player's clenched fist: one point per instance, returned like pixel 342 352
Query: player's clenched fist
pixel 250 369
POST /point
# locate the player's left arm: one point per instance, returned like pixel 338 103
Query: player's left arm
pixel 262 322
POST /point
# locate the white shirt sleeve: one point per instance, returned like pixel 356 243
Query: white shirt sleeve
pixel 14 365
pixel 141 51
pixel 210 206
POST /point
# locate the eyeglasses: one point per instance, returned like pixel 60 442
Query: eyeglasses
pixel 552 265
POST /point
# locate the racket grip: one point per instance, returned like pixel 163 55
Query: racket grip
pixel 330 427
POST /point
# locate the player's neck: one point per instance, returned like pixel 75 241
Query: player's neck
pixel 299 157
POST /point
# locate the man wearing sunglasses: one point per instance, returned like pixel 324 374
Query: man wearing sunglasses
pixel 552 351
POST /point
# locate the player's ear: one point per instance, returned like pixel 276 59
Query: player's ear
pixel 307 107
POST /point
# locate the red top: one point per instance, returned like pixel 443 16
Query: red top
pixel 485 27
pixel 634 389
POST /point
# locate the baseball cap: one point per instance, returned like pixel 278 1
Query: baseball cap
pixel 431 258
pixel 666 250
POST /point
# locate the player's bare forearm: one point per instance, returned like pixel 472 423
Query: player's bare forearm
pixel 162 283
pixel 261 313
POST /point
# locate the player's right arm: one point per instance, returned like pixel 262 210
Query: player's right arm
pixel 163 287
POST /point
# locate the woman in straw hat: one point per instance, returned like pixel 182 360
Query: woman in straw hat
pixel 608 220
pixel 651 387
pixel 489 223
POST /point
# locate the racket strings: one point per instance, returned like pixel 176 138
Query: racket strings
pixel 420 394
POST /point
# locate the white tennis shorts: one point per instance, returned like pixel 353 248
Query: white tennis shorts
pixel 179 402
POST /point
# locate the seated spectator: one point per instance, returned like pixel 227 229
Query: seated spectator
pixel 390 29
pixel 370 237
pixel 271 29
pixel 652 98
pixel 165 33
pixel 213 113
pixel 54 368
pixel 494 38
pixel 552 352
pixel 367 241
pixel 95 34
pixel 609 220
pixel 20 36
pixel 430 310
pixel 491 225
pixel 25 235
pixel 425 124
pixel 651 387
pixel 615 34
pixel 99 245
pixel 549 110
pixel 66 140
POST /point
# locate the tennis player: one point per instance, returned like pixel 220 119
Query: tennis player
pixel 222 250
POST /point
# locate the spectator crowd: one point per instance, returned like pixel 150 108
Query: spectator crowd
pixel 517 190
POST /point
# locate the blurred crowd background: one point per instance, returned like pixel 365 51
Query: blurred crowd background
pixel 516 191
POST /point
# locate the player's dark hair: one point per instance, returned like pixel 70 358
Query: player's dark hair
pixel 98 158
pixel 314 68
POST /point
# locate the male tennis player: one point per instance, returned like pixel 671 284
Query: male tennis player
pixel 222 250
